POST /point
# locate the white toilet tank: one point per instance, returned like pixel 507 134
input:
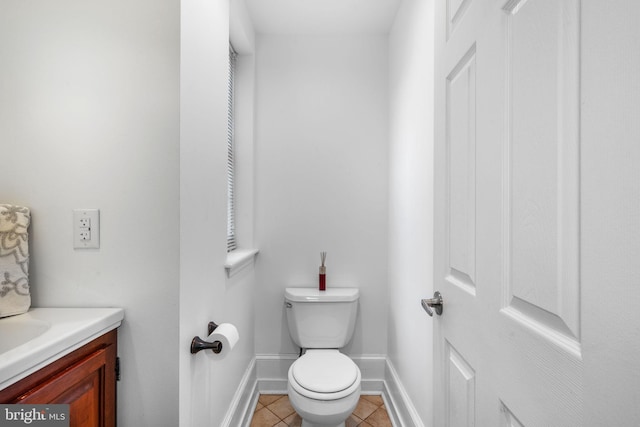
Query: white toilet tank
pixel 321 319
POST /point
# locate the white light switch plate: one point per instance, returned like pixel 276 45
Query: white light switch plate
pixel 86 228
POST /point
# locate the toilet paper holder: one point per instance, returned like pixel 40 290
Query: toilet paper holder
pixel 198 343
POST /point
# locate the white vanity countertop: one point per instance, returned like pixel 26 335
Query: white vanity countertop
pixel 33 340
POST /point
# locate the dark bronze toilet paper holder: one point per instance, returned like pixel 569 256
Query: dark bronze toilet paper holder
pixel 198 343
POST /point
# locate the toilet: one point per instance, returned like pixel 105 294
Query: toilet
pixel 323 384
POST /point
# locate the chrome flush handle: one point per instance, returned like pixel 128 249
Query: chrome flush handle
pixel 436 302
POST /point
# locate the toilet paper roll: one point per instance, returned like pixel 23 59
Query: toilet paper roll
pixel 228 335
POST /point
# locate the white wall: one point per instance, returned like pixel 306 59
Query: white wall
pixel 321 178
pixel 207 386
pixel 89 114
pixel 411 201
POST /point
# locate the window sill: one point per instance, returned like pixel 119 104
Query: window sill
pixel 238 260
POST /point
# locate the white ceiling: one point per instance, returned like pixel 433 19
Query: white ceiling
pixel 322 16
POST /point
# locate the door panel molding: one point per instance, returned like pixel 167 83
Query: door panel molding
pixel 508 419
pixel 541 172
pixel 455 11
pixel 461 172
pixel 461 390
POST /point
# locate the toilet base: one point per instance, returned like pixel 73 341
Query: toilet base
pixel 310 424
pixel 316 413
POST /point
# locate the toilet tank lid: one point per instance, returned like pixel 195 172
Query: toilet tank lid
pixel 314 295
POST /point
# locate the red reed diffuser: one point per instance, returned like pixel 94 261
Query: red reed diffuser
pixel 323 272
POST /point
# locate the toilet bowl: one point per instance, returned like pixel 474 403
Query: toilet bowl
pixel 324 388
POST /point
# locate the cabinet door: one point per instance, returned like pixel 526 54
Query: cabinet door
pixel 83 386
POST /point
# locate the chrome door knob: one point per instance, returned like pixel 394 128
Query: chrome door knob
pixel 436 302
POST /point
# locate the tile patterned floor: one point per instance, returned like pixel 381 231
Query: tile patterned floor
pixel 274 410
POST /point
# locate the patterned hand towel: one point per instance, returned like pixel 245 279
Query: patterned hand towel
pixel 14 260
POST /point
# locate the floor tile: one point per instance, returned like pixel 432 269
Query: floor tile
pixel 281 407
pixel 267 399
pixel 364 409
pixel 275 410
pixel 264 418
pixel 379 418
pixel 352 421
pixel 293 420
pixel 376 399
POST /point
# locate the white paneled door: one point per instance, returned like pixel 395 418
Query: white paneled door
pixel 510 346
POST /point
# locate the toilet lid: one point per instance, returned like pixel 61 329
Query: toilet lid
pixel 325 371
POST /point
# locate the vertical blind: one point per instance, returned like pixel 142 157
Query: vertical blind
pixel 231 223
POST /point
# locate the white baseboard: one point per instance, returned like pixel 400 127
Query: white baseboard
pixel 272 370
pixel 267 374
pixel 244 400
pixel 247 415
pixel 400 407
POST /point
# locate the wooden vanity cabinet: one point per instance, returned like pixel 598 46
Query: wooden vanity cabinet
pixel 85 379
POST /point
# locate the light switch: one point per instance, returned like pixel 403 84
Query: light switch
pixel 86 228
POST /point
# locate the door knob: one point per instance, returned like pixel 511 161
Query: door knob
pixel 436 302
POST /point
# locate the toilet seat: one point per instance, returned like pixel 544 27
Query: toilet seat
pixel 324 375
